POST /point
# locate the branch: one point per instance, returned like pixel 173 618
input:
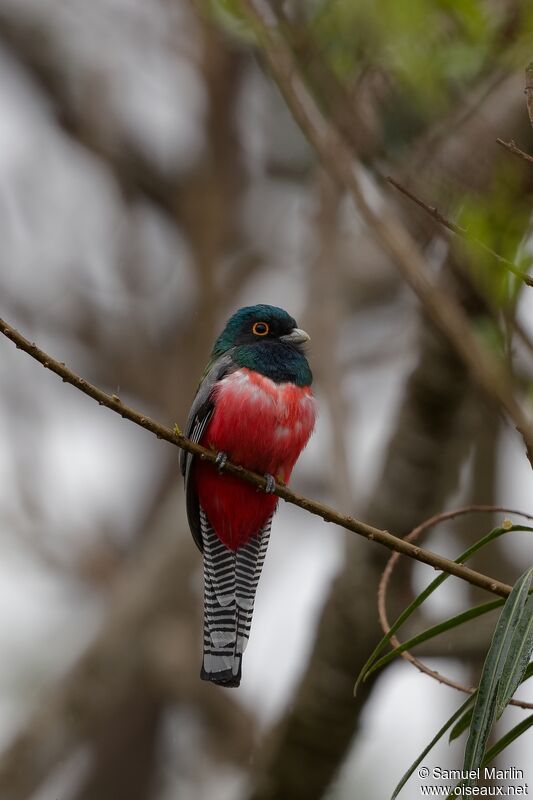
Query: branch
pixel 385 538
pixel 511 146
pixel 390 234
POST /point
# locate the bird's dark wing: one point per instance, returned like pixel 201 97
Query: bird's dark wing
pixel 199 416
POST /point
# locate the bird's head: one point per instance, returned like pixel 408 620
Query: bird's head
pixel 260 325
pixel 267 339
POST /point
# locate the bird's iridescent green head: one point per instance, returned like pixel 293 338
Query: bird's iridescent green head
pixel 266 339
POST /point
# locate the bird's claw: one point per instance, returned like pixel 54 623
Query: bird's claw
pixel 270 484
pixel 221 460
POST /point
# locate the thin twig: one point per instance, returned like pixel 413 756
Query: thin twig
pixel 434 212
pixel 385 538
pixel 511 146
pixel 460 231
pixel 337 158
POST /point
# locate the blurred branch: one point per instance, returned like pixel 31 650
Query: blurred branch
pixel 202 201
pixel 325 316
pixel 390 234
pixel 446 163
pixel 342 102
pixel 37 50
pixel 365 141
pixel 529 91
pixel 383 537
pixel 153 586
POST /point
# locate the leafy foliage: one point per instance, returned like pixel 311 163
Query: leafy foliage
pixel 506 664
pixel 505 657
pixel 417 602
pixel 499 221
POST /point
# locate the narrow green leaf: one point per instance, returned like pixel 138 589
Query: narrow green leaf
pixel 506 740
pixel 501 744
pixel 461 725
pixel 440 733
pixel 462 718
pixel 528 673
pixel 518 659
pixel 395 626
pixel 435 630
pixel 417 602
pixel 485 704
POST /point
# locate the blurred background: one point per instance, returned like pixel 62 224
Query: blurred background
pixel 151 182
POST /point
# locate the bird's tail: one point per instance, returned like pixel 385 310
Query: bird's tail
pixel 230 583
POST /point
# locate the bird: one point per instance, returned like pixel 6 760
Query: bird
pixel 254 406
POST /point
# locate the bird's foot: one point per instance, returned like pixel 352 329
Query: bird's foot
pixel 221 460
pixel 270 484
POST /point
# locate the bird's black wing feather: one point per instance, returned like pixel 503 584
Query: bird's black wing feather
pixel 199 416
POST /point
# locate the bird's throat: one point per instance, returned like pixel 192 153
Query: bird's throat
pixel 281 362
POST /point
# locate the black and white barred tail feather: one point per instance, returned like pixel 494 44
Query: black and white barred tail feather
pixel 230 584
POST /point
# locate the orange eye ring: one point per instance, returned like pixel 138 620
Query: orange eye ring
pixel 260 328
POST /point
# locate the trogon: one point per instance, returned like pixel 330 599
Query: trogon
pixel 254 406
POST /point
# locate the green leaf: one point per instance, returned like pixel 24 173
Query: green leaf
pixel 461 725
pixel 485 704
pixel 229 15
pixel 497 221
pixel 519 655
pixel 440 733
pixel 528 673
pixel 436 630
pixel 462 718
pixel 506 740
pixel 417 602
pixel 465 720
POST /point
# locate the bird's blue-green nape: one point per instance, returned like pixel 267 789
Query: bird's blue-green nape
pixel 268 353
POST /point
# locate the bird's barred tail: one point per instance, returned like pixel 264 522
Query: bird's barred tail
pixel 230 583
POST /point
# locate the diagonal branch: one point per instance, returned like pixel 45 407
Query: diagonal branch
pixel 512 148
pixel 337 158
pixel 319 509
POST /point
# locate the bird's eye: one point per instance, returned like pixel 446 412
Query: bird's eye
pixel 260 328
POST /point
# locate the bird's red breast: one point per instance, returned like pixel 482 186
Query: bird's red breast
pixel 262 425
